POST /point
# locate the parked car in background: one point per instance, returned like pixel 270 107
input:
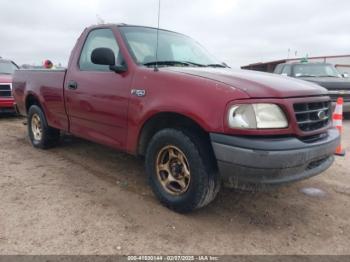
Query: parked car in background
pixel 7 102
pixel 197 122
pixel 324 74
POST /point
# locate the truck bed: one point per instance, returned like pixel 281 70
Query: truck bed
pixel 46 86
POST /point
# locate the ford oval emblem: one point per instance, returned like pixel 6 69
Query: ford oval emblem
pixel 322 115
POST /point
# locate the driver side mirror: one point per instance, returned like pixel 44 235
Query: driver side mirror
pixel 345 75
pixel 105 56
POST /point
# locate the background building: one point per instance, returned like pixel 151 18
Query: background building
pixel 342 62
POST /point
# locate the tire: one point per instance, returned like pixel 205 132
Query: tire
pixel 198 188
pixel 40 134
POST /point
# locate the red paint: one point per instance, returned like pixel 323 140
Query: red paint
pixel 337 117
pixel 102 109
pixel 6 102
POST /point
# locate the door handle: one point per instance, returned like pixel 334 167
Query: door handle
pixel 72 85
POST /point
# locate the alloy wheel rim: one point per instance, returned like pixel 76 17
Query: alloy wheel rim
pixel 173 170
pixel 36 127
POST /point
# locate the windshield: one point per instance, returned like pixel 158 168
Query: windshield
pixel 7 67
pixel 315 70
pixel 173 49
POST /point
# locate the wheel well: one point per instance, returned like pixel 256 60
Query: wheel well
pixel 168 120
pixel 31 100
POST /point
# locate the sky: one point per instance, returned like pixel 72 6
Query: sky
pixel 237 32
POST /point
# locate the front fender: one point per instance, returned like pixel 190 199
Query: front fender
pixel 201 100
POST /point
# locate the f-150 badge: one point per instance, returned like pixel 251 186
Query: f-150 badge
pixel 138 92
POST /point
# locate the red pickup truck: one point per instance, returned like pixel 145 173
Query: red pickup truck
pixel 7 102
pixel 198 123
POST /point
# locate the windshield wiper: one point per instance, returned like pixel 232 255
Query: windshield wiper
pixel 172 63
pixel 209 65
pixel 327 76
pixel 216 65
pixel 195 64
pixel 306 76
pixel 185 63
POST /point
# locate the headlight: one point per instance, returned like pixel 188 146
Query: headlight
pixel 256 116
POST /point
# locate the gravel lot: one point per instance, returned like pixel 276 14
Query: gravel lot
pixel 83 198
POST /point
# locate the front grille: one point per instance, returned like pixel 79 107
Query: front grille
pixel 5 90
pixel 312 116
pixel 313 138
pixel 317 163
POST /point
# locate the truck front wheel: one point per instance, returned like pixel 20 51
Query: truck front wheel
pixel 40 134
pixel 181 170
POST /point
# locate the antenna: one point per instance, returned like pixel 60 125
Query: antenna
pixel 156 65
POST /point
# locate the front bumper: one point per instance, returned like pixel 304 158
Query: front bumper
pixel 7 105
pixel 271 161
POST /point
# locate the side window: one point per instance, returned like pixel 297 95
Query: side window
pixel 287 70
pixel 96 39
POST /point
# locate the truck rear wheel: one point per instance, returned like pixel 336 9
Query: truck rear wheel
pixel 181 170
pixel 40 134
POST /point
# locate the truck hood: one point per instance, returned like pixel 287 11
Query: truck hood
pixel 331 83
pixel 5 78
pixel 256 84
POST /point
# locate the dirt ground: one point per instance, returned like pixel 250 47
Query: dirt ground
pixel 83 198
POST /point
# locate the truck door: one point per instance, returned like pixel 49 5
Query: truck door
pixel 96 97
